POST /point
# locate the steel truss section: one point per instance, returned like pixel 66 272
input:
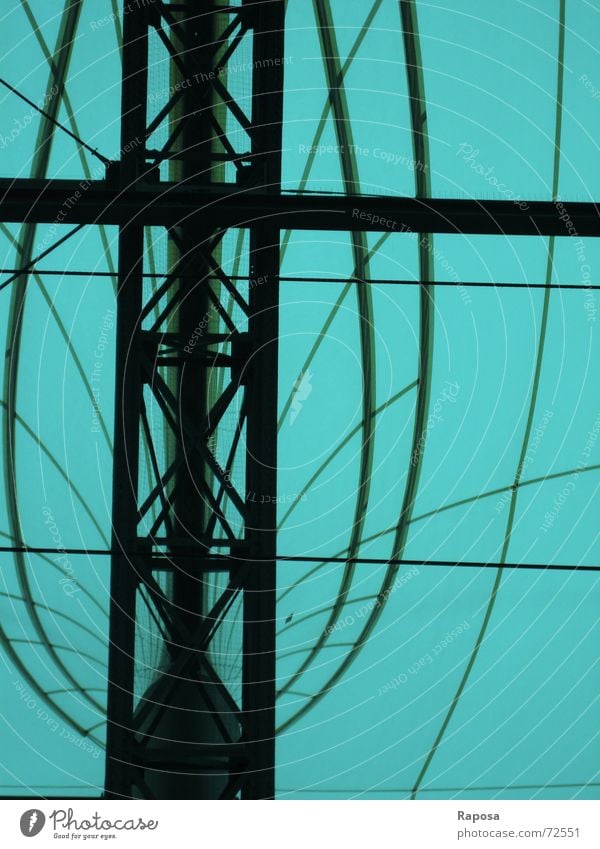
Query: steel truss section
pixel 186 735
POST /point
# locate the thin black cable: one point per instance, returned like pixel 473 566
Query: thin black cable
pixel 30 265
pixel 80 141
pixel 478 564
pixel 436 283
pixel 467 788
pixel 298 558
pixel 371 281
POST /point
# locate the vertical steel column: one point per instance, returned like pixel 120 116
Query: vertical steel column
pixel 191 513
pixel 258 698
pixel 128 397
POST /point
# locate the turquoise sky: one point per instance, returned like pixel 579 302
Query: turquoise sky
pixel 511 392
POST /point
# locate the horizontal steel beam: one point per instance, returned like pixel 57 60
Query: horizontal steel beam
pixel 103 202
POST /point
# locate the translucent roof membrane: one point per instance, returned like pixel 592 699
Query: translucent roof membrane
pixel 453 422
pixel 372 657
pixel 490 76
pixel 57 441
pixel 58 326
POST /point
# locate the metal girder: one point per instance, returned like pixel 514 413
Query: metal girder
pixel 169 204
pixel 125 567
pixel 258 696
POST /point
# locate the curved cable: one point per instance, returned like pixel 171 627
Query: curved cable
pixel 57 566
pixel 350 173
pixel 418 114
pixel 67 340
pixel 65 42
pixel 534 393
pixel 340 446
pixel 302 188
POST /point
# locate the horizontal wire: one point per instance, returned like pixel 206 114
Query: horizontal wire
pixel 477 564
pixel 468 788
pixel 371 281
pixel 437 283
pixel 298 558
